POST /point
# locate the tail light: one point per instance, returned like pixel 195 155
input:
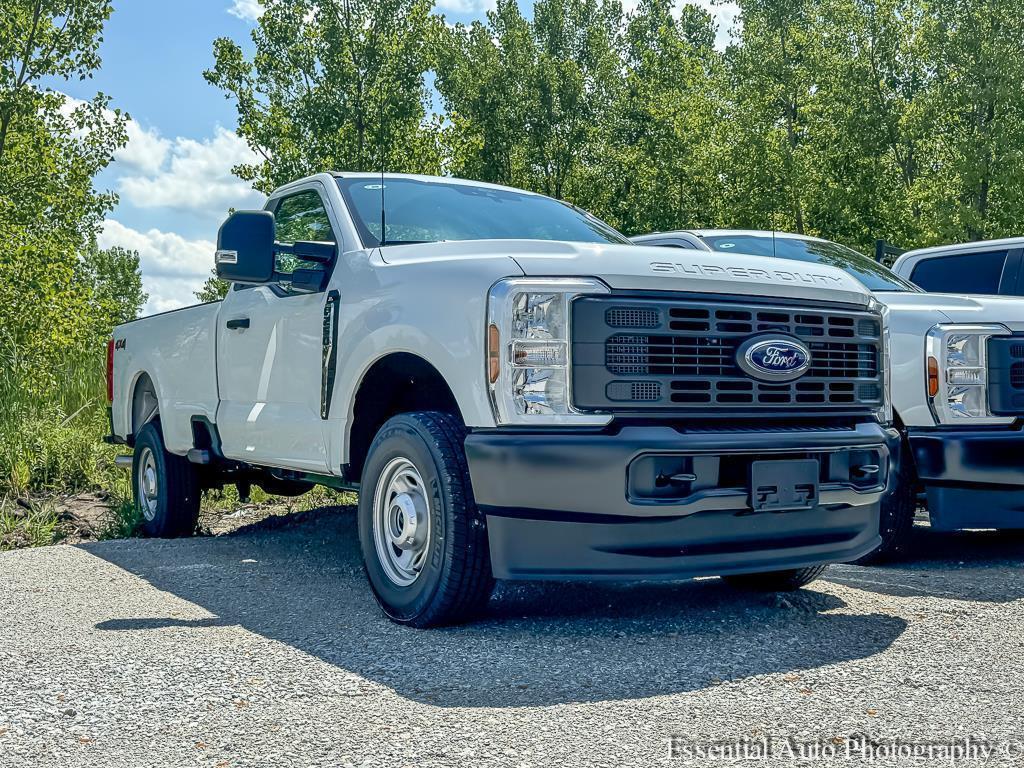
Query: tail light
pixel 110 370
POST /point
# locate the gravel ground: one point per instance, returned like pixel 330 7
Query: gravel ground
pixel 264 648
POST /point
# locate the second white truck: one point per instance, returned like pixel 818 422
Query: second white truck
pixel 517 392
pixel 957 374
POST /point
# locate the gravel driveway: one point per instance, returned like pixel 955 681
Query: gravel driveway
pixel 264 647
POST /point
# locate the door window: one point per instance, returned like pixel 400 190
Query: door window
pixel 964 273
pixel 301 217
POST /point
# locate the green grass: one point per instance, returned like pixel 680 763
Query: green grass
pixel 226 499
pixel 51 445
pixel 51 429
pixel 34 526
pixel 50 452
pixel 124 518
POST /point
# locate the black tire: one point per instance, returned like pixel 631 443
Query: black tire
pixel 896 520
pixel 173 510
pixel 453 581
pixel 777 581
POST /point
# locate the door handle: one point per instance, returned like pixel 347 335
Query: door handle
pixel 237 323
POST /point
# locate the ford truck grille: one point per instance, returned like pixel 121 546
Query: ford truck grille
pixel 1006 375
pixel 643 354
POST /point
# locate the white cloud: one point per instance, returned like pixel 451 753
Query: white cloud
pixel 250 10
pixel 172 267
pixel 146 149
pixel 466 6
pixel 195 176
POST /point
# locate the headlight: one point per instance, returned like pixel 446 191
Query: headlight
pixel 957 373
pixel 885 413
pixel 528 360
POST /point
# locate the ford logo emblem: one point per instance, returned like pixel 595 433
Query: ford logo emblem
pixel 774 358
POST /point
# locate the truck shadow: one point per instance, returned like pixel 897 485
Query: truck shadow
pixel 538 644
pixel 977 566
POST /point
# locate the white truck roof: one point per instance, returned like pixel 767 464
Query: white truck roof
pixel 905 264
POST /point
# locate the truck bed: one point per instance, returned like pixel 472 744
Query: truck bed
pixel 178 351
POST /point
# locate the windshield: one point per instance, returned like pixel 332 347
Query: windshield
pixel 873 275
pixel 418 211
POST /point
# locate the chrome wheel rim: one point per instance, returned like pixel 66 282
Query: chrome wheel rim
pixel 401 521
pixel 149 486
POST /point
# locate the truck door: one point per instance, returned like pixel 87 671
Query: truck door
pixel 270 353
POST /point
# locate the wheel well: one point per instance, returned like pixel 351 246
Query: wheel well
pixel 907 459
pixel 398 383
pixel 145 405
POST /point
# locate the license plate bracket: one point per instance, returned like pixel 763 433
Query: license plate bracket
pixel 784 486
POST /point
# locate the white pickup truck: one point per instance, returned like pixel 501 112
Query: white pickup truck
pixel 957 373
pixel 982 267
pixel 517 392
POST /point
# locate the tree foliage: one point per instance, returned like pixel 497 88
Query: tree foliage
pixel 852 119
pixel 333 84
pixel 55 301
pixel 214 289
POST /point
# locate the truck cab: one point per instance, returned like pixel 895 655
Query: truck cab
pixel 517 392
pixel 984 267
pixel 957 371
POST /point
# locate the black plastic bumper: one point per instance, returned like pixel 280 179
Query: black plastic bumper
pixel 974 479
pixel 565 505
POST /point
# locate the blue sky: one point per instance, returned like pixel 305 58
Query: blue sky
pixel 174 177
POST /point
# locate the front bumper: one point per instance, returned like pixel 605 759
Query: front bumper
pixel 564 505
pixel 973 479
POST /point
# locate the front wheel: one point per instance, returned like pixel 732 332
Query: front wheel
pixel 166 487
pixel 777 581
pixel 423 540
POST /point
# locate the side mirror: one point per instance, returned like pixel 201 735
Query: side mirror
pixel 245 248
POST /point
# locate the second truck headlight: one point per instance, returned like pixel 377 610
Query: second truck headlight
pixel 957 372
pixel 528 360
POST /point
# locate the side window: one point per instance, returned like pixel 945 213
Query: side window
pixel 301 217
pixel 1013 274
pixel 965 273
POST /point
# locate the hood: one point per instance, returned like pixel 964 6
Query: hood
pixel 653 268
pixel 1007 310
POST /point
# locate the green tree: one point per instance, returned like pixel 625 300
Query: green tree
pixel 819 133
pixel 773 86
pixel 484 77
pixel 50 151
pixel 974 115
pixel 661 165
pixel 113 281
pixel 214 289
pixel 333 85
pixel 528 101
pixel 866 136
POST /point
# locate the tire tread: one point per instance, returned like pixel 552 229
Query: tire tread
pixel 777 581
pixel 466 582
pixel 181 488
